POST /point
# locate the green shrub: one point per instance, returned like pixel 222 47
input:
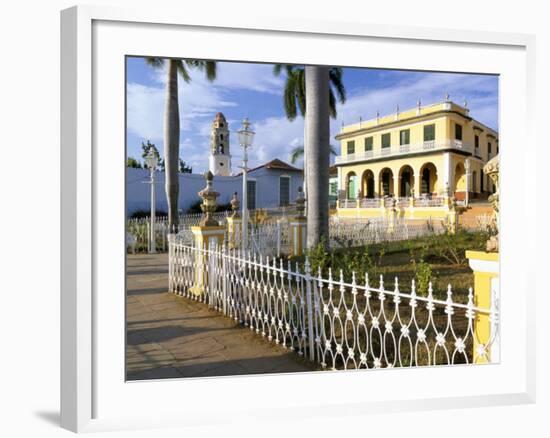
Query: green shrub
pixel 423 276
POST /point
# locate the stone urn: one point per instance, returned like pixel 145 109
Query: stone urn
pixel 209 204
pixel 300 204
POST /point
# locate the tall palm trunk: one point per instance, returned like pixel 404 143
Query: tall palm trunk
pixel 317 152
pixel 172 144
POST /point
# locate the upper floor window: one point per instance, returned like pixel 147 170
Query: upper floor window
pixel 351 147
pixel 497 148
pixel 458 131
pixel 386 140
pixel 368 143
pixel 404 136
pixel 489 148
pixel 429 132
pixel 476 141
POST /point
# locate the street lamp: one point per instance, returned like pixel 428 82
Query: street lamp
pixel 246 136
pixel 151 161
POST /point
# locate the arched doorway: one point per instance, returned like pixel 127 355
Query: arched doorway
pixel 428 179
pixel 460 181
pixel 406 181
pixel 386 182
pixel 351 185
pixel 367 184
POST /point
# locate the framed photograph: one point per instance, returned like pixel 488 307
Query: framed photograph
pixel 313 217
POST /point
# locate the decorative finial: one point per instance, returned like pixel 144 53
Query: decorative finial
pixel 209 205
pixel 360 120
pixel 300 203
pixel 418 103
pixel 465 103
pixel 447 97
pixel 235 205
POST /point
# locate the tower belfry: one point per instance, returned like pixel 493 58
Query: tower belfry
pixel 220 158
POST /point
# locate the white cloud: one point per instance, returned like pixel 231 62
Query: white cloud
pixel 478 90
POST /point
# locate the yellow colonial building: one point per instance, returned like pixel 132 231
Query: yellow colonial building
pixel 419 157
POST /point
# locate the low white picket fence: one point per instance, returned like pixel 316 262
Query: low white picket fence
pixel 337 324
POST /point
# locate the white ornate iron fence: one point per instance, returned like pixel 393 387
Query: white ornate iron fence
pixel 339 324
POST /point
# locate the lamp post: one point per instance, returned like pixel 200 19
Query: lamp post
pixel 151 160
pixel 246 136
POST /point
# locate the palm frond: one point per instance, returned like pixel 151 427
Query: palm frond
pixel 335 77
pixel 155 62
pixel 332 103
pixel 277 68
pixel 301 91
pixel 290 97
pixel 296 154
pixel 211 69
pixel 182 70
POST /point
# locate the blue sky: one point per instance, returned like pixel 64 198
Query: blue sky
pixel 251 90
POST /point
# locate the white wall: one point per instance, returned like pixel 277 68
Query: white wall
pixel 29 96
pixel 138 194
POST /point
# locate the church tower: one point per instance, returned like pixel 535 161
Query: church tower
pixel 220 158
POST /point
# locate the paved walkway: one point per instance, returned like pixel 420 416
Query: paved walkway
pixel 170 336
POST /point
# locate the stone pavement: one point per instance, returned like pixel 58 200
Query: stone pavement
pixel 170 336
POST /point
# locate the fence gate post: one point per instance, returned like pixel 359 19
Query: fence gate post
pixel 486 277
pixel 224 279
pixel 278 238
pixel 309 311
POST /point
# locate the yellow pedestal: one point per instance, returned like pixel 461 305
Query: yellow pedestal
pixel 486 274
pixel 205 238
pixel 234 231
pixel 298 236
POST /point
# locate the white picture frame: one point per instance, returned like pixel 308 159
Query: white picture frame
pixel 93 397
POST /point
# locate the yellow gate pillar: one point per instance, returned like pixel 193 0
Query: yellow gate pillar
pixel 234 224
pixel 298 227
pixel 207 235
pixel 486 285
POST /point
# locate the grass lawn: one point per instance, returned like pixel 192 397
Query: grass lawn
pixel 437 258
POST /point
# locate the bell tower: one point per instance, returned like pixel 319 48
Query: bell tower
pixel 220 158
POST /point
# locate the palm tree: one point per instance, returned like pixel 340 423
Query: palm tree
pixel 172 123
pixel 295 89
pixel 317 150
pixel 316 166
